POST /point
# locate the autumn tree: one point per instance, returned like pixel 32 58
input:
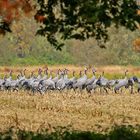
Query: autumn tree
pixel 10 10
pixel 73 19
pixel 24 32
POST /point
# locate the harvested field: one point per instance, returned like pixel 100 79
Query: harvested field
pixel 83 112
pixel 98 112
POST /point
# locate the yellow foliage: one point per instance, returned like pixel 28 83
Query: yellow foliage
pixel 136 45
pixel 138 12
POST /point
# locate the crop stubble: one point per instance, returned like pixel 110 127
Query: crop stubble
pixel 82 112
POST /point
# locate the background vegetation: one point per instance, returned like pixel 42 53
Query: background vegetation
pixel 23 48
pixel 23 18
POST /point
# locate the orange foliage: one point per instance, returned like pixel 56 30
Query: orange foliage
pixel 138 12
pixel 2 32
pixel 9 9
pixel 39 18
pixel 136 45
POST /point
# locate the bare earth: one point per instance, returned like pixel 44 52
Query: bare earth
pixel 83 112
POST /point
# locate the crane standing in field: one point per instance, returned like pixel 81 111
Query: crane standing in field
pixel 126 82
pixel 72 81
pixel 80 83
pixel 45 82
pixel 103 82
pixel 92 84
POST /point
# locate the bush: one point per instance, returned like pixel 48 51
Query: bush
pixel 63 133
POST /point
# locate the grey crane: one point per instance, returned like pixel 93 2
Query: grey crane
pixel 61 83
pixel 39 74
pixel 7 81
pixel 126 82
pixel 92 86
pixel 22 78
pixel 92 79
pixel 137 80
pixel 45 74
pixel 28 82
pixel 34 81
pixel 66 79
pixel 56 78
pixel 103 82
pixel 72 81
pixel 81 81
pixel 47 84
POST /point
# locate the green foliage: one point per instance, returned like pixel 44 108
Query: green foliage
pixel 77 19
pixel 4 26
pixel 119 50
pixel 38 51
pixel 80 19
pixel 63 133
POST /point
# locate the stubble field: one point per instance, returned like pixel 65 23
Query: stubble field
pixel 98 112
pixel 81 112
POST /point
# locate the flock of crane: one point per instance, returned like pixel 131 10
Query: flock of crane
pixel 44 81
